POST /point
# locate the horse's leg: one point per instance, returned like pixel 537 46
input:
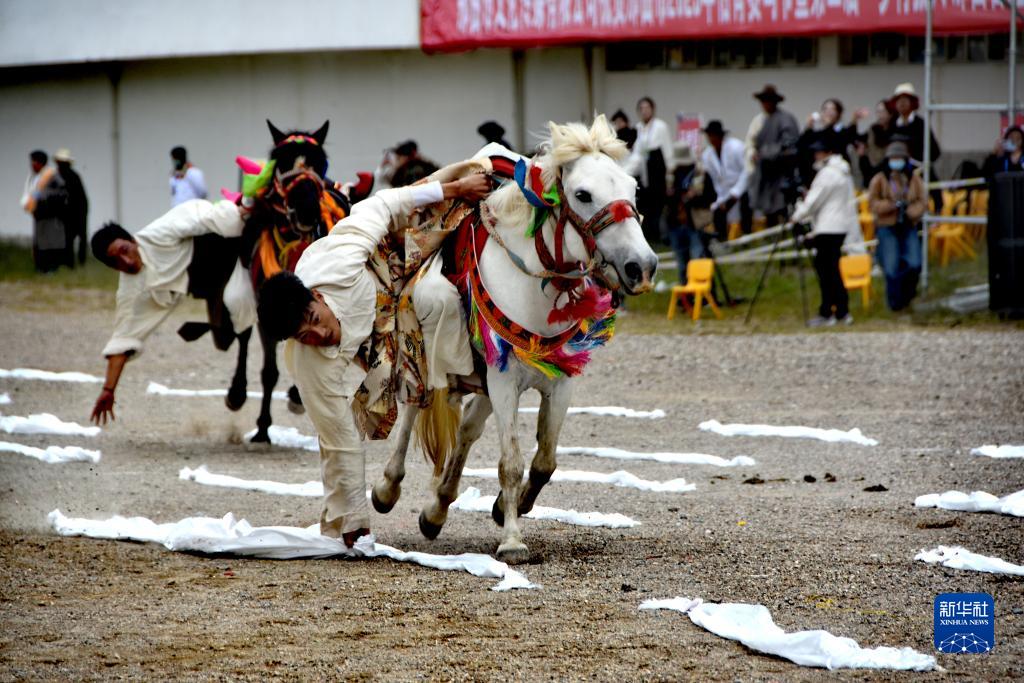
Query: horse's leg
pixel 554 404
pixel 386 492
pixel 503 388
pixel 236 393
pixel 434 515
pixel 295 401
pixel 268 377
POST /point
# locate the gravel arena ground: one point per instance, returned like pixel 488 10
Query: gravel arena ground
pixel 824 555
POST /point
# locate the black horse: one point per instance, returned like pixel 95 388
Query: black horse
pixel 299 206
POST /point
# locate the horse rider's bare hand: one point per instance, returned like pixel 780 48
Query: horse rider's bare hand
pixel 472 188
pixel 104 406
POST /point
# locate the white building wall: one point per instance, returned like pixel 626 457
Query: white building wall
pixel 216 107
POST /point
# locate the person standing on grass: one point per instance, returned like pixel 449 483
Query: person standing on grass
pixel 831 209
pixel 45 197
pixel 897 199
pixel 76 212
pixel 772 152
pixel 649 160
pixel 187 181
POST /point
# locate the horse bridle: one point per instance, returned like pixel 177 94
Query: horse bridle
pixel 286 182
pixel 613 212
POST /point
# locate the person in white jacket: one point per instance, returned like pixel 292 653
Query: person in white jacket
pixel 649 162
pixel 326 310
pixel 724 162
pixel 154 279
pixel 831 209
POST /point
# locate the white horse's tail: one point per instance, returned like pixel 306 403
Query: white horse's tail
pixel 437 427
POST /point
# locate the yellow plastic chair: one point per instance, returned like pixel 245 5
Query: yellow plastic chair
pixel 978 207
pixel 951 239
pixel 698 283
pixel 855 270
pixel 735 231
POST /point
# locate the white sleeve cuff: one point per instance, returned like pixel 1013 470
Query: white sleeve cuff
pixel 427 193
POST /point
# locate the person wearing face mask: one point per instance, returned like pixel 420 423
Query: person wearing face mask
pixel 1008 155
pixel 897 199
pixel 154 264
pixel 326 310
pixel 831 209
pixel 187 181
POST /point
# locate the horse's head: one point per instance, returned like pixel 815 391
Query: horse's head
pixel 601 195
pixel 299 171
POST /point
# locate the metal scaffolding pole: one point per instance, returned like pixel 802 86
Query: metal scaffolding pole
pixel 927 170
pixel 1012 106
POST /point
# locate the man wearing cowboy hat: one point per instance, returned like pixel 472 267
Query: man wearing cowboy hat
pixel 897 199
pixel 725 165
pixel 77 209
pixel 904 104
pixel 772 156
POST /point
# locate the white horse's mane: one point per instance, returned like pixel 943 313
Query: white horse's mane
pixel 565 143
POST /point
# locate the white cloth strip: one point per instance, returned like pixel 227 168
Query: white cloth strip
pixel 289 437
pixel 671 458
pixel 161 390
pixel 830 435
pixel 606 411
pixel 44 423
pixel 753 626
pixel 5 399
pixel 621 478
pixel 1004 451
pixel 53 455
pixel 956 557
pixel 978 501
pixel 46 375
pixel 471 500
pixel 200 475
pixel 237 537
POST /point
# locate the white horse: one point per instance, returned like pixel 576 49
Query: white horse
pixel 601 239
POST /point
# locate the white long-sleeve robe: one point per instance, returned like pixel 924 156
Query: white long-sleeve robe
pixel 145 299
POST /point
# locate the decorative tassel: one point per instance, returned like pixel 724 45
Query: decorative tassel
pixel 578 307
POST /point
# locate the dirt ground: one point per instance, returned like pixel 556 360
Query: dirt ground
pixel 824 555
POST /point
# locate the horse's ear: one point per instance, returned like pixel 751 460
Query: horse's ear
pixel 277 135
pixel 321 134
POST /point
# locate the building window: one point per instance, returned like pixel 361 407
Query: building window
pixel 712 54
pixel 896 48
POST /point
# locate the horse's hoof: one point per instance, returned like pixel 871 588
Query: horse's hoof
pixel 428 528
pixel 295 401
pixel 513 553
pixel 497 514
pixel 235 399
pixel 262 436
pixel 379 505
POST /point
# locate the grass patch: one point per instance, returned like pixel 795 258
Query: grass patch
pixel 16 266
pixel 779 309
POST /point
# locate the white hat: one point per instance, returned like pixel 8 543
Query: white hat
pixel 63 154
pixel 903 89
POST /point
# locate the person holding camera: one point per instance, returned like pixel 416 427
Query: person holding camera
pixel 897 199
pixel 831 210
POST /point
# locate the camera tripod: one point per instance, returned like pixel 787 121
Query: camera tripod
pixel 798 231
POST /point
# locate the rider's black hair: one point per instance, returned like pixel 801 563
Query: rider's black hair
pixel 104 237
pixel 282 305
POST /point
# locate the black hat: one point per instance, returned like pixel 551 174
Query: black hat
pixel 715 128
pixel 769 94
pixel 407 148
pixel 491 130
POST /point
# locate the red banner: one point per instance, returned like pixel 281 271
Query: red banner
pixel 449 25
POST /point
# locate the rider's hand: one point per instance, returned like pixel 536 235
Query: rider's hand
pixel 104 406
pixel 472 188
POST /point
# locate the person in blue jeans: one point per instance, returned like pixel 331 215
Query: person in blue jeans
pixel 689 216
pixel 897 199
